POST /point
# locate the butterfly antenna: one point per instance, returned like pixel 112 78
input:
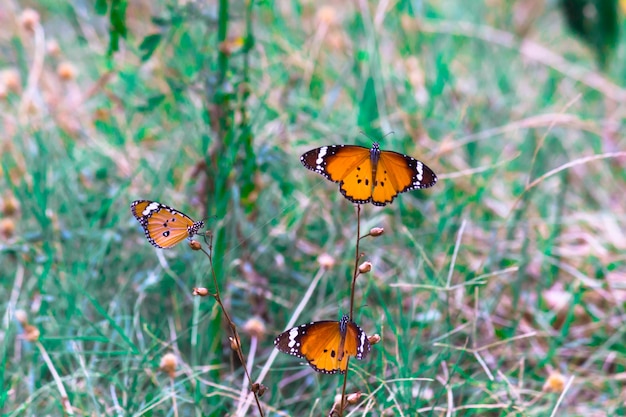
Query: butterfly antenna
pixel 206 219
pixel 366 135
pixel 370 138
pixel 387 134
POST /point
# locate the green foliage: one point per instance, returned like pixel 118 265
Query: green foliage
pixel 116 10
pixel 597 23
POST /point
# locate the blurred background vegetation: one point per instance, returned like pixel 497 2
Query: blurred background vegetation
pixel 500 291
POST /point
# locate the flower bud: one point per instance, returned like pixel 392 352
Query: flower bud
pixel 365 267
pixel 234 345
pixel 195 245
pixel 376 231
pixel 353 398
pixel 259 389
pixel 374 339
pixel 201 292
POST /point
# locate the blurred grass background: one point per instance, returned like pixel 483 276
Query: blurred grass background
pixel 509 299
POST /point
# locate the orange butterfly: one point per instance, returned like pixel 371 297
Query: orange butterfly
pixel 164 227
pixel 326 345
pixel 369 175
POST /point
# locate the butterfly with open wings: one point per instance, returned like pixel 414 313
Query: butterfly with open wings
pixel 326 345
pixel 369 175
pixel 164 226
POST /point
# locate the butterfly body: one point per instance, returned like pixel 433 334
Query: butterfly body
pixel 164 226
pixel 326 345
pixel 369 175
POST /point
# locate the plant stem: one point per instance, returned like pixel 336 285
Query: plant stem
pixel 357 256
pixel 233 328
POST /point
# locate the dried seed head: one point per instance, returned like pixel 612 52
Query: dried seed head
pixel 10 206
pixel 66 71
pixel 7 228
pixel 21 317
pixel 195 245
pixel 326 261
pixel 255 327
pixel 259 389
pixel 327 15
pixel 555 382
pixel 376 231
pixel 53 48
pixel 234 345
pixel 202 292
pixel 11 80
pixel 365 267
pixel 29 19
pixel 168 364
pixel 374 339
pixel 31 333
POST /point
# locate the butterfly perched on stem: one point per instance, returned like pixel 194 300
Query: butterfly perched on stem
pixel 369 175
pixel 164 226
pixel 326 345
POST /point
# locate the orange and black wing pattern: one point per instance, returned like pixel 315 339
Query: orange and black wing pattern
pixel 164 226
pixel 326 345
pixel 369 175
pixel 397 173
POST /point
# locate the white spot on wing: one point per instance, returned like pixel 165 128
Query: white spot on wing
pixel 420 171
pixel 154 206
pixel 320 157
pixel 293 333
pixel 361 345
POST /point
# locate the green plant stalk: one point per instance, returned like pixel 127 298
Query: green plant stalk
pixel 222 33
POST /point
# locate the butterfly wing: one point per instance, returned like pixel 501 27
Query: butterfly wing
pixel 163 226
pixel 139 207
pixel 357 344
pixel 320 347
pixel 320 343
pixel 349 165
pixel 397 173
